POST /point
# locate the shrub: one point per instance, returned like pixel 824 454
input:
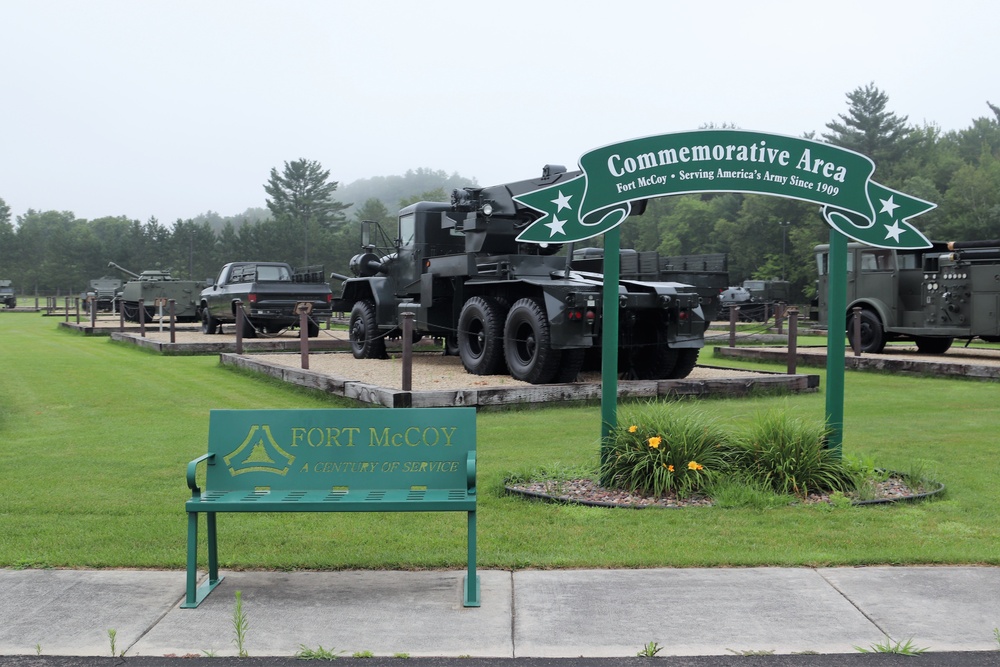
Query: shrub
pixel 658 447
pixel 789 455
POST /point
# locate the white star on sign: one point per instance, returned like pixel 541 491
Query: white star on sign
pixel 889 206
pixel 562 201
pixel 556 226
pixel 894 231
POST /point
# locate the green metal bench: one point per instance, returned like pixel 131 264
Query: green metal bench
pixel 336 460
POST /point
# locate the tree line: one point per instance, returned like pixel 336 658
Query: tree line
pixel 308 221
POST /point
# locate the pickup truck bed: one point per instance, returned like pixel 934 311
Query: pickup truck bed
pixel 269 293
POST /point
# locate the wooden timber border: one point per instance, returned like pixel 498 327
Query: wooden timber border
pixel 955 363
pixel 321 344
pixel 498 397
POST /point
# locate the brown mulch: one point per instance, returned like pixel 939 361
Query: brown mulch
pixel 589 492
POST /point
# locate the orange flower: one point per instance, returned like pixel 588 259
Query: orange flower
pixel 670 468
pixel 633 428
pixel 694 465
pixel 655 441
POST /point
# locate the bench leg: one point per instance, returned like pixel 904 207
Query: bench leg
pixel 471 583
pixel 195 594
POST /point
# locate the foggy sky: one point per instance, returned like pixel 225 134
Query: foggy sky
pixel 171 108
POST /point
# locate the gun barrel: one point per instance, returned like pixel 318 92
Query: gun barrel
pixel 123 270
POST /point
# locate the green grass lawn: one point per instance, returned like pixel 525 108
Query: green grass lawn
pixel 96 436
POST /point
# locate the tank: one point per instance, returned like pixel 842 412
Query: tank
pixel 155 287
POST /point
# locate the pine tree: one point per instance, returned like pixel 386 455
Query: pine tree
pixel 301 201
pixel 871 130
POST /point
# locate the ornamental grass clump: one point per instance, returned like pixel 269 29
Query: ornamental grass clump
pixel 789 455
pixel 657 449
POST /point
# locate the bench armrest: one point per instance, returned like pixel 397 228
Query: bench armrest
pixel 192 469
pixel 470 472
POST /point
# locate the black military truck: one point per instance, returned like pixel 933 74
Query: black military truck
pixel 269 293
pixel 508 307
pixel 929 296
pixel 707 274
pixel 7 296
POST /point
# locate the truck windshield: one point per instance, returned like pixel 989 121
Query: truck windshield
pixel 407 226
pixel 823 263
pixel 877 260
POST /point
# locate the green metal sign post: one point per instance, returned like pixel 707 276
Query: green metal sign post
pixel 612 177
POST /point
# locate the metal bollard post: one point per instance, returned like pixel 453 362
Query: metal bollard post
pixel 779 317
pixel 93 312
pixel 142 318
pixel 239 326
pixel 66 309
pixel 407 351
pixel 76 304
pixel 734 312
pixel 856 326
pixel 793 340
pixel 173 320
pixel 303 309
pixel 121 320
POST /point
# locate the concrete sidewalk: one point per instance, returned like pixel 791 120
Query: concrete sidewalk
pixel 552 613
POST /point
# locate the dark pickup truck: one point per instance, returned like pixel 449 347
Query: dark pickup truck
pixel 269 292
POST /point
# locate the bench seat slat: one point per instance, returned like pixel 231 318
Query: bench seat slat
pixel 377 500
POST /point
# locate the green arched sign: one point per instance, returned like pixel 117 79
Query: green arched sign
pixel 837 179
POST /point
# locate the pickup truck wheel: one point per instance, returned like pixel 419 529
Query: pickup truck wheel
pixel 528 343
pixel 249 330
pixel 872 333
pixel 480 336
pixel 209 325
pixel 363 331
pixel 312 328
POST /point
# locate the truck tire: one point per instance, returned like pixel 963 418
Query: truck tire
pixel 933 344
pixel 687 358
pixel 528 343
pixel 570 365
pixel 209 325
pixel 312 328
pixel 872 333
pixel 249 330
pixel 363 332
pixel 480 336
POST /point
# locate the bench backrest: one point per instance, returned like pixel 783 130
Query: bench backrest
pixel 340 449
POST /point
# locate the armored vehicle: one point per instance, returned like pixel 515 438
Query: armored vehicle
pixel 7 296
pixel 756 298
pixel 155 288
pixel 103 291
pixel 929 296
pixel 509 307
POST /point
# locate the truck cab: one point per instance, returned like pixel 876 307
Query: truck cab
pixel 895 290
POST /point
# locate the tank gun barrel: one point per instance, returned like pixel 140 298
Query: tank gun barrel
pixel 961 245
pixel 123 270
